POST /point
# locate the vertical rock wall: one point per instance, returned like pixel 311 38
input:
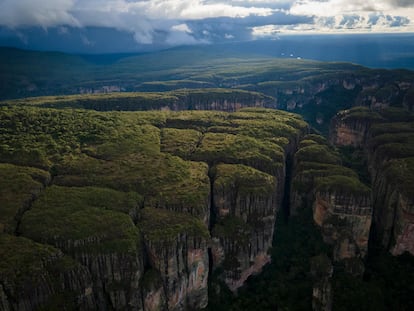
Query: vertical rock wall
pixel 245 205
pixel 387 136
pixel 136 201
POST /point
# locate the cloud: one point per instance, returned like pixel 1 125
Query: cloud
pixel 226 28
pixel 401 3
pixel 354 15
pixel 198 21
pixel 45 13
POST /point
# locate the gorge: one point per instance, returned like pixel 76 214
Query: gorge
pixel 210 198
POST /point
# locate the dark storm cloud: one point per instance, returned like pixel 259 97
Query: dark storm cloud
pixel 225 28
pixel 402 3
pixel 176 22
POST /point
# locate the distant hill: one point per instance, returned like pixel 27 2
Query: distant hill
pixel 312 88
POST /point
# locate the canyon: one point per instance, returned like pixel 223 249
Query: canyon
pixel 159 201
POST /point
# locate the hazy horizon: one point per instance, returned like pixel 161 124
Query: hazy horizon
pixel 122 26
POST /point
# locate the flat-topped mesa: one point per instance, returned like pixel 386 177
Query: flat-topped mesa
pixel 116 175
pixel 389 147
pixel 19 187
pixel 90 225
pixel 391 157
pixel 350 127
pixel 245 208
pixel 228 100
pixel 341 203
pixel 246 152
pixel 177 248
pixel 40 276
pixel 343 210
pixel 394 205
pixel 222 99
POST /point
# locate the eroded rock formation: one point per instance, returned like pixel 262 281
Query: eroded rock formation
pixel 387 140
pixel 143 205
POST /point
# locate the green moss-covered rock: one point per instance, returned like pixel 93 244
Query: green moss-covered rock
pixel 106 241
pixel 19 186
pixel 162 180
pixel 401 174
pixel 357 114
pixel 180 142
pixel 159 225
pixel 233 229
pixel 34 276
pixel 341 184
pixel 243 180
pixel 317 153
pixel 229 148
pixel 177 248
pixel 340 202
pixel 72 218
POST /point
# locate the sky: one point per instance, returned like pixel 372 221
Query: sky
pixel 183 22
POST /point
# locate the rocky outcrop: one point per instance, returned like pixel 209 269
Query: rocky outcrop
pixel 245 208
pixel 106 242
pixel 394 206
pixel 341 208
pixel 177 249
pixel 33 275
pixel 350 127
pixel 388 138
pixel 19 187
pixel 229 100
pixel 148 203
pixel 341 204
pixel 247 172
pixel 345 218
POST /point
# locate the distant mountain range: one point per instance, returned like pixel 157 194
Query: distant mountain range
pixel 372 50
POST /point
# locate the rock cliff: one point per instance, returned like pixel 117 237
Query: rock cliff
pixel 341 208
pixel 141 204
pixel 387 139
pixel 245 208
pixel 177 249
pixel 341 204
pixel 34 275
pixel 86 224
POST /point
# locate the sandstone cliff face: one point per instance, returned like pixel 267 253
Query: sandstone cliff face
pixel 245 208
pixel 351 129
pixel 388 144
pixel 345 220
pixel 138 202
pixel 33 275
pixel 229 100
pixel 394 207
pixel 341 207
pixel 247 172
pixel 341 204
pixel 177 249
pixel 103 241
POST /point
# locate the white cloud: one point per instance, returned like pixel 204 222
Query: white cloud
pixel 354 16
pixel 177 20
pixel 143 18
pixel 182 28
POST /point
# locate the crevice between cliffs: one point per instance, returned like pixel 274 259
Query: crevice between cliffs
pixel 285 207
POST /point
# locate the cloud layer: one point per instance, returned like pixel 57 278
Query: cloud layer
pixel 174 22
